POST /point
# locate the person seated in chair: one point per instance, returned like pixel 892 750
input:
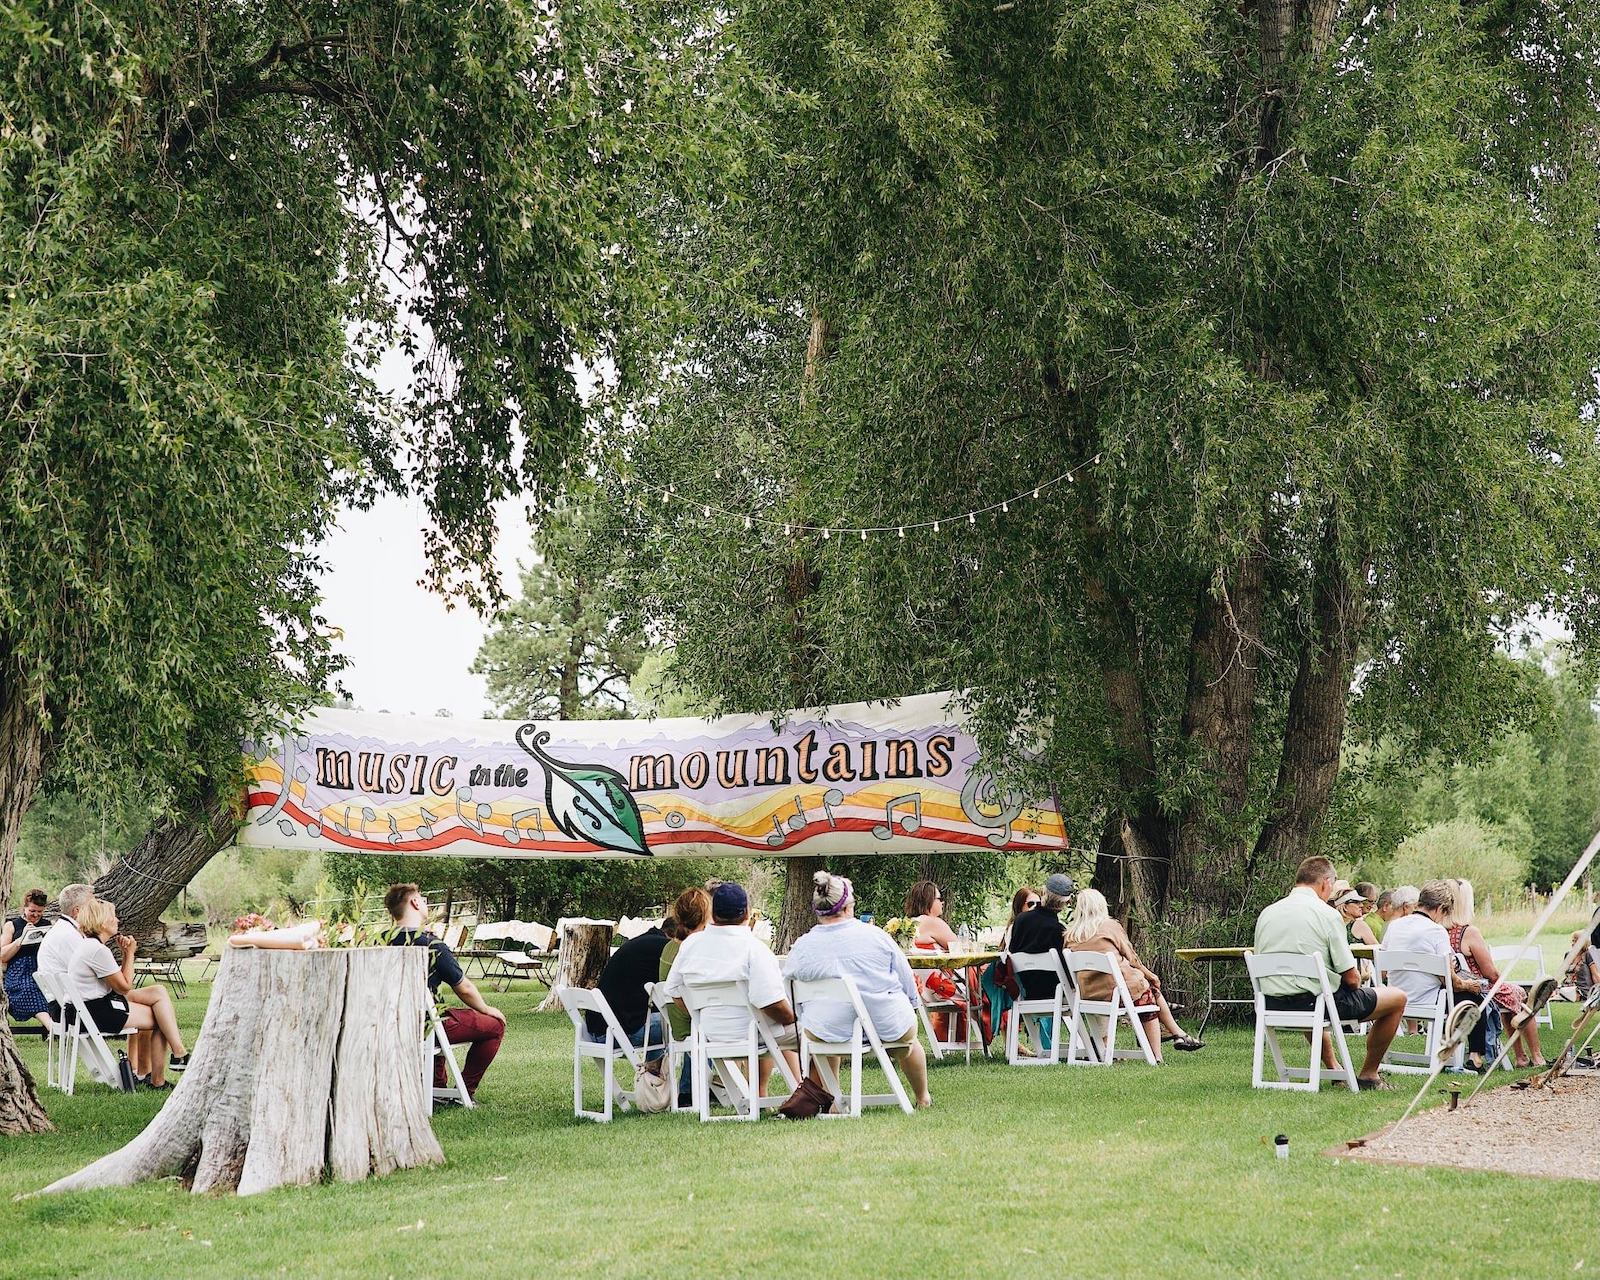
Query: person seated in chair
pixel 727 951
pixel 105 986
pixel 622 982
pixel 1426 930
pixel 1092 928
pixel 62 941
pixel 842 946
pixel 1303 923
pixel 479 1024
pixel 20 959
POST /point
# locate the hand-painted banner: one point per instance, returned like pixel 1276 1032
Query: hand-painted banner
pixel 866 778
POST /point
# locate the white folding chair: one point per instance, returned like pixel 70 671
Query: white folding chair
pixel 82 1041
pixel 863 1036
pixel 578 1001
pixel 724 1052
pixel 1433 1013
pixel 439 1044
pixel 1102 1050
pixel 677 1050
pixel 1503 957
pixel 1058 1007
pixel 1322 1015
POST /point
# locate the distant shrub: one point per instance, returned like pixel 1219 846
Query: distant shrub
pixel 1490 856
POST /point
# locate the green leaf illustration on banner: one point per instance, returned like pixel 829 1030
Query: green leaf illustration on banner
pixel 589 802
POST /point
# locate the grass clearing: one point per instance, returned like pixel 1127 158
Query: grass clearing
pixel 1015 1171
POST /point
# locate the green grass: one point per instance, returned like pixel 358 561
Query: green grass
pixel 1015 1172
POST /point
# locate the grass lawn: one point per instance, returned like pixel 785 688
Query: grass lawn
pixel 1065 1171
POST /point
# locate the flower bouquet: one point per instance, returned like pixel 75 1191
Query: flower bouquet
pixel 902 929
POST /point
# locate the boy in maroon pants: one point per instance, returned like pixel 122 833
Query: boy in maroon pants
pixel 480 1025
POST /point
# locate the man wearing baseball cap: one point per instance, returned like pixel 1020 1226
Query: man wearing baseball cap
pixel 727 951
pixel 1039 929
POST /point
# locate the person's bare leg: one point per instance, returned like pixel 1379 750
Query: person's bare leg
pixel 1152 1034
pixel 915 1064
pixel 136 1055
pixel 1530 1041
pixel 158 1058
pixel 817 1060
pixel 159 1002
pixel 1385 1023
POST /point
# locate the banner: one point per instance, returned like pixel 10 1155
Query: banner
pixel 863 778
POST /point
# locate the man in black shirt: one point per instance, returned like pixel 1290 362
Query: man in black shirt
pixel 636 962
pixel 479 1024
pixel 1039 929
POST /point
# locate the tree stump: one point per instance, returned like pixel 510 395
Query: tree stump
pixel 585 947
pixel 310 1064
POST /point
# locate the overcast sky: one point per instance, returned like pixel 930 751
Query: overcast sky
pixel 408 653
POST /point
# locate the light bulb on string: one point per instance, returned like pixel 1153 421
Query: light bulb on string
pixel 1035 493
pixel 902 531
pixel 747 522
pixel 863 535
pixel 785 531
pixel 972 517
pixel 1097 459
pixel 825 535
pixel 936 526
pixel 1005 506
pixel 706 512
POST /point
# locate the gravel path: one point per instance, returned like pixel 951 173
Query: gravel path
pixel 1551 1133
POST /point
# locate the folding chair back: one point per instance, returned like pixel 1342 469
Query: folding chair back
pixel 1433 1012
pixel 724 1052
pixel 1057 1011
pixel 57 1039
pixel 439 1046
pixel 677 1050
pixel 958 1013
pixel 84 1041
pixel 863 1035
pixel 578 1001
pixel 1102 1050
pixel 1510 959
pixel 1322 1017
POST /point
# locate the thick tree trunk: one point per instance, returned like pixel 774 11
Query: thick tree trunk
pixel 21 770
pixel 1314 734
pixel 584 949
pixel 310 1065
pixel 1211 851
pixel 145 882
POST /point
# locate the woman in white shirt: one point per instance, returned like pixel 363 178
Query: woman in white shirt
pixel 106 989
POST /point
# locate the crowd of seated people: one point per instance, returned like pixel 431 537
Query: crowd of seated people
pixel 75 956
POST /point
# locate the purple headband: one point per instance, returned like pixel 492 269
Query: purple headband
pixel 844 901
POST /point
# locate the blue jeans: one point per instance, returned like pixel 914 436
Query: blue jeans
pixel 652 1029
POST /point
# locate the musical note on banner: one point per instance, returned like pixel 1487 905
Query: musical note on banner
pixel 368 814
pixel 777 837
pixel 979 794
pixel 425 824
pixel 513 835
pixel 910 823
pixel 292 746
pixel 797 819
pixel 343 828
pixel 483 810
pixel 394 830
pixel 831 797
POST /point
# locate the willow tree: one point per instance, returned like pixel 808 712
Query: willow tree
pixel 1305 298
pixel 207 215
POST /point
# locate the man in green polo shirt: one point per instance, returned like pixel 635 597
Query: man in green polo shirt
pixel 1304 924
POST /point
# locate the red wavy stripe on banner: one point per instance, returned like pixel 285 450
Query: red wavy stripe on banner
pixel 971 839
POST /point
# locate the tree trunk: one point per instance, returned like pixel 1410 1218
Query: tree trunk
pixel 801 580
pixel 1315 731
pixel 585 947
pixel 310 1065
pixel 144 883
pixel 21 769
pixel 1210 852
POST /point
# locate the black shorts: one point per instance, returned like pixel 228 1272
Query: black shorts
pixel 110 1012
pixel 1354 1004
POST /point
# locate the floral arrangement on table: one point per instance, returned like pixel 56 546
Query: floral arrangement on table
pixel 902 929
pixel 250 921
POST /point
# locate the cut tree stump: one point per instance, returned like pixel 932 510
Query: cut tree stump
pixel 585 947
pixel 309 1065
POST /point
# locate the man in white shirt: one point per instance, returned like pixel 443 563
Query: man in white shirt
pixel 727 951
pixel 1424 931
pixel 63 940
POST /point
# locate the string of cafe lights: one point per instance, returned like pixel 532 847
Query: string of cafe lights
pixel 669 495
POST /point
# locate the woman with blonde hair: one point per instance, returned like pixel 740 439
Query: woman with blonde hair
pixel 1468 941
pixel 1091 928
pixel 106 988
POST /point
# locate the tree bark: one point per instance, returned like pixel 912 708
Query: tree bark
pixel 310 1065
pixel 21 770
pixel 144 883
pixel 800 582
pixel 584 949
pixel 1211 852
pixel 1314 734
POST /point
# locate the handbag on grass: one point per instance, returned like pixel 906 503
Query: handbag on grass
pixel 652 1090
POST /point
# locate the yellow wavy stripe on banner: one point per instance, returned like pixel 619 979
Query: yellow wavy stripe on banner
pixel 263 771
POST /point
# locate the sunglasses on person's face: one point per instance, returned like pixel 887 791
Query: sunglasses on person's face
pixel 1031 902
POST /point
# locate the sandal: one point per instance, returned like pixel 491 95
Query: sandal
pixel 1372 1086
pixel 1187 1044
